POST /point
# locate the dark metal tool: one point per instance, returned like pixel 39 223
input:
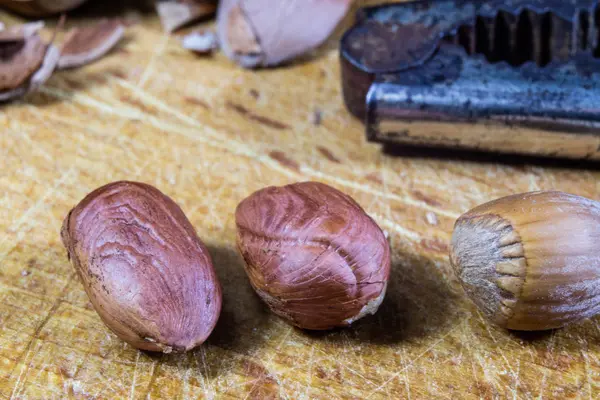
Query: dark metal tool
pixel 516 76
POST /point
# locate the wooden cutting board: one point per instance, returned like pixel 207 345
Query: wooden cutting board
pixel 208 134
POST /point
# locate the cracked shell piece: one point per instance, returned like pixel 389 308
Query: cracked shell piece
pixel 262 33
pixel 175 14
pixel 85 45
pixel 26 61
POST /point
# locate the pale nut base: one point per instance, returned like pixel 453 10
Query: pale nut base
pixel 277 306
pixel 370 308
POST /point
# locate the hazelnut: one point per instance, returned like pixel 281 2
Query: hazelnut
pixel 145 270
pixel 312 254
pixel 531 261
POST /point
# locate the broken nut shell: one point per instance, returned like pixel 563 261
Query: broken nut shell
pixel 531 261
pixel 313 254
pixel 175 14
pixel 145 270
pixel 262 33
pixel 200 42
pixel 85 45
pixel 26 61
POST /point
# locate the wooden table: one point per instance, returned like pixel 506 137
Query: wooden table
pixel 208 134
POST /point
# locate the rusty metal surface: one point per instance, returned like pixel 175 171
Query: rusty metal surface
pixel 522 63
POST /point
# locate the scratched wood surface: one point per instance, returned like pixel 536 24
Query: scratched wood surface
pixel 208 134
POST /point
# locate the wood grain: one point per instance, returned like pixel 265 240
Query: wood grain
pixel 156 113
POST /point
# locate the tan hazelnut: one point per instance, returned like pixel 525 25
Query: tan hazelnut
pixel 145 270
pixel 313 254
pixel 531 261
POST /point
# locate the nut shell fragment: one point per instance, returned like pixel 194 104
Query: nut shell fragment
pixel 20 61
pixel 145 270
pixel 48 67
pixel 257 33
pixel 20 33
pixel 85 45
pixel 26 62
pixel 313 255
pixel 175 14
pixel 531 261
pixel 200 42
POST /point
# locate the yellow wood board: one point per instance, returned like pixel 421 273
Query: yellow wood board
pixel 208 133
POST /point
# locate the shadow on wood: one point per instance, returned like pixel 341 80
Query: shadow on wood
pixel 515 160
pixel 243 316
pixel 418 302
pixel 532 336
pixel 241 326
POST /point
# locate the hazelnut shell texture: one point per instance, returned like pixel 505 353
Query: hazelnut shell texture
pixel 145 270
pixel 313 254
pixel 531 261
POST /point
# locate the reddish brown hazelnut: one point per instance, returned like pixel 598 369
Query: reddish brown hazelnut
pixel 145 270
pixel 313 254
